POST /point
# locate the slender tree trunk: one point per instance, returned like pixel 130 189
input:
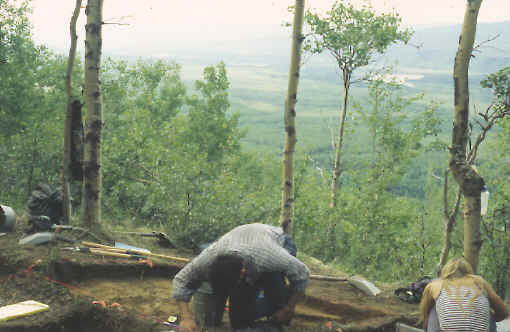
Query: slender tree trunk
pixel 66 171
pixel 501 281
pixel 337 170
pixel 94 117
pixel 449 222
pixel 472 234
pixel 30 185
pixel 76 154
pixel 287 204
pixel 470 182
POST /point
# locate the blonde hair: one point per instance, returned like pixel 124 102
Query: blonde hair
pixel 456 268
pixel 458 272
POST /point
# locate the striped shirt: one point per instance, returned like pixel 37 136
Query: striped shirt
pixel 458 311
pixel 260 245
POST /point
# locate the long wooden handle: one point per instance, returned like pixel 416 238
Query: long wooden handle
pixel 113 254
pixel 94 245
pixel 137 252
pixel 179 259
pixel 108 248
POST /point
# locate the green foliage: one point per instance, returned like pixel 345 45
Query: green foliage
pixel 381 220
pixel 353 36
pixel 495 166
pixel 152 86
pixel 19 63
pixel 499 83
pixel 209 126
pixel 494 258
pixel 32 106
pixel 397 132
pixel 173 158
pixel 374 226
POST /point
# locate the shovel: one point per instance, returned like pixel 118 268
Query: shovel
pixel 163 239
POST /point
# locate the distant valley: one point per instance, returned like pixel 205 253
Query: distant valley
pixel 258 70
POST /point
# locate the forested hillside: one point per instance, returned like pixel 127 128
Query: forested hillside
pixel 193 139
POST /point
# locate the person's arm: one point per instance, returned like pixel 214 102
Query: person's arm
pixel 187 321
pixel 184 286
pixel 497 304
pixel 427 302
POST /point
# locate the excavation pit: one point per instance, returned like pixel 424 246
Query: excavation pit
pixel 94 293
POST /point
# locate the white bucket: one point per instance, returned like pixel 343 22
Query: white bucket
pixel 7 218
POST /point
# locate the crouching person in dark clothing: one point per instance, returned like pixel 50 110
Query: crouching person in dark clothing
pixel 243 263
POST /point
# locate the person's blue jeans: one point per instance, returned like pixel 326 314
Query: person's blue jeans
pixel 247 305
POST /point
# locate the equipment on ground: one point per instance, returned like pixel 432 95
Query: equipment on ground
pixel 135 252
pixel 327 278
pixel 121 245
pixel 364 285
pixel 44 233
pixel 44 201
pixel 413 292
pixel 7 218
pixel 43 237
pixel 104 252
pixel 163 239
pixel 21 309
pixel 357 281
pixel 39 224
pixel 57 228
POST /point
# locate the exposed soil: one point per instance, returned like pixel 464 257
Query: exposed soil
pixel 87 292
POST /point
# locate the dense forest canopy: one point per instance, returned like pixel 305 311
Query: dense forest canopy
pixel 175 156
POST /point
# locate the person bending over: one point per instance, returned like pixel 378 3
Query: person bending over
pixel 244 261
pixel 460 301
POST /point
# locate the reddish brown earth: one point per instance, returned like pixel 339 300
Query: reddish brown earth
pixel 70 282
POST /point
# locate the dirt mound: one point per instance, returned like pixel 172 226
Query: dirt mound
pixel 94 293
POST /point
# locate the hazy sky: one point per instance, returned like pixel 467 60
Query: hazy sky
pixel 189 22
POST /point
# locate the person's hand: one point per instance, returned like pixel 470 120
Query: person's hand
pixel 284 315
pixel 189 325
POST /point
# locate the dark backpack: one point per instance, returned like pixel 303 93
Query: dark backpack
pixel 413 292
pixel 44 208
